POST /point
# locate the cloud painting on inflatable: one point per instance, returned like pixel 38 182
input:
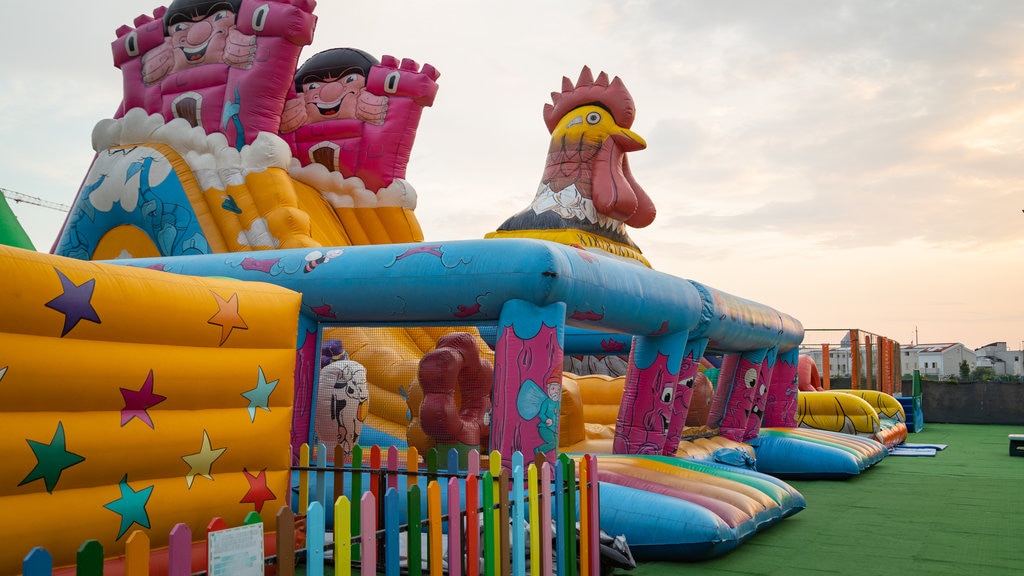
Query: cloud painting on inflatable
pixel 852 164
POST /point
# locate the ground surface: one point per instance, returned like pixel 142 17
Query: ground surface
pixel 958 513
pixel 961 512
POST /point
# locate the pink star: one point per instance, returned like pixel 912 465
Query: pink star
pixel 137 402
pixel 258 492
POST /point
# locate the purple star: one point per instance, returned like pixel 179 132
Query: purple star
pixel 137 402
pixel 74 302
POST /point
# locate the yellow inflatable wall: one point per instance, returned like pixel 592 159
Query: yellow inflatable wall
pixel 135 399
pixel 837 412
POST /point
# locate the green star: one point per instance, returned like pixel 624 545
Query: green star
pixel 131 506
pixel 259 397
pixel 51 459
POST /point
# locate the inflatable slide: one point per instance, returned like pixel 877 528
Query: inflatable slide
pixel 233 165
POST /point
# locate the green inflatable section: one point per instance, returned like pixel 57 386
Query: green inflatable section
pixel 11 232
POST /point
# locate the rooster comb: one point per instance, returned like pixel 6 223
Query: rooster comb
pixel 612 96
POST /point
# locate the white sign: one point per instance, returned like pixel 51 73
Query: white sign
pixel 236 551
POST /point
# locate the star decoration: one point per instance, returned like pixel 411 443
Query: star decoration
pixel 131 506
pixel 137 402
pixel 227 316
pixel 258 492
pixel 74 302
pixel 3 371
pixel 201 462
pixel 51 460
pixel 259 397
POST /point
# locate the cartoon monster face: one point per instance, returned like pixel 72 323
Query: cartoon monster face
pixel 666 397
pixel 203 38
pixel 749 382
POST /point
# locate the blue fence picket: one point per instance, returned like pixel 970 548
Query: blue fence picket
pixel 39 562
pixel 392 559
pixel 518 519
pixel 315 539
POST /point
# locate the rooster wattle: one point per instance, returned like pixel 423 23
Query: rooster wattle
pixel 587 195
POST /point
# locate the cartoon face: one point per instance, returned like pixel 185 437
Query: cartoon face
pixel 350 393
pixel 333 98
pixel 201 38
pixel 554 391
pixel 666 397
pixel 750 382
pixel 351 383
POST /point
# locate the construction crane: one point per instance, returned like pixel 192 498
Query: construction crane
pixel 19 197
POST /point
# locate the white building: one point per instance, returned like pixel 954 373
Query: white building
pixel 937 360
pixel 1001 360
pixel 838 359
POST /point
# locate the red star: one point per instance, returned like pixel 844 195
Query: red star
pixel 258 492
pixel 137 402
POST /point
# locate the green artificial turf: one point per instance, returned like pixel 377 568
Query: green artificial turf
pixel 960 512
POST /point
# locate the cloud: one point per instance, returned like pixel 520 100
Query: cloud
pixel 772 127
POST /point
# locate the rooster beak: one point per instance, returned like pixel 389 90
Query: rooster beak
pixel 628 141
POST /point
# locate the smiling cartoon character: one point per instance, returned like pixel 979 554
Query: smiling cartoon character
pixel 331 86
pixel 199 32
pixel 357 115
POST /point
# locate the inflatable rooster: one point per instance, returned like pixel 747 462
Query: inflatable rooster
pixel 587 195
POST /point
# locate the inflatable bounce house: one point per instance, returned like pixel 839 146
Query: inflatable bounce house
pixel 870 413
pixel 242 272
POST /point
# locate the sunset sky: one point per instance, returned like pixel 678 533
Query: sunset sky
pixel 853 164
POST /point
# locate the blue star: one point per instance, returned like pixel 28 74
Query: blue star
pixel 74 302
pixel 131 506
pixel 259 397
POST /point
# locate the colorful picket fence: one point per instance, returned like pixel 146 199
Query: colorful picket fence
pixel 536 495
pixel 367 536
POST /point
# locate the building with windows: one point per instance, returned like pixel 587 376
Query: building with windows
pixel 937 360
pixel 1001 360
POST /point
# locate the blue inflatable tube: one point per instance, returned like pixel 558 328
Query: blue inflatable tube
pixel 659 527
pixel 803 454
pixel 426 283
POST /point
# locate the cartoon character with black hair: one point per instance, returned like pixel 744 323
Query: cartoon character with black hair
pixel 357 115
pixel 331 85
pixel 199 32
